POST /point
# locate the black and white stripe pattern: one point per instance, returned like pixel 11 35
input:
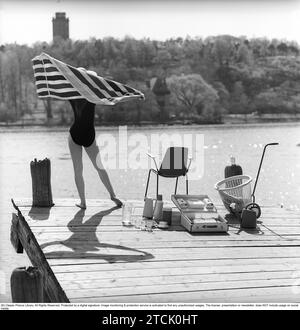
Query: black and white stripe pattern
pixel 59 80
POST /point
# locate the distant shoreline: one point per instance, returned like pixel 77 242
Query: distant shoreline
pixel 42 128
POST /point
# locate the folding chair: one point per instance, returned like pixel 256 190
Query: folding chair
pixel 174 165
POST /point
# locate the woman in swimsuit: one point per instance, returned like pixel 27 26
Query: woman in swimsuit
pixel 82 134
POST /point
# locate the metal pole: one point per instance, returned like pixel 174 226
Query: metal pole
pixel 262 158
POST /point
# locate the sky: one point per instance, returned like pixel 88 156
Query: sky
pixel 29 21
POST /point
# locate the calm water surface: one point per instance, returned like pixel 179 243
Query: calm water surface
pixel 278 183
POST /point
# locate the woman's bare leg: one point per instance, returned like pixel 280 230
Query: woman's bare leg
pixel 76 155
pixel 94 155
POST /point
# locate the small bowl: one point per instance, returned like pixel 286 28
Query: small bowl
pixel 163 225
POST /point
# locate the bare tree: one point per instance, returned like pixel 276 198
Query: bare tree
pixel 191 91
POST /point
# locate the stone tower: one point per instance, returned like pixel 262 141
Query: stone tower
pixel 60 24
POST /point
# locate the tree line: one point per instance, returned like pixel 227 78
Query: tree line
pixel 184 79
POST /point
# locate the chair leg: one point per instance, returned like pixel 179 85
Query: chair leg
pixel 176 185
pixel 147 184
pixel 187 184
pixel 156 186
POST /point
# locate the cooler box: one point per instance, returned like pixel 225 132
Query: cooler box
pixel 198 214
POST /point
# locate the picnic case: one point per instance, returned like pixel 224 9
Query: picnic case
pixel 198 214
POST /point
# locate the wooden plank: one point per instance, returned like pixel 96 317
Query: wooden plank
pixel 91 202
pixel 65 202
pixel 174 275
pixel 169 240
pixel 81 242
pixel 137 243
pixel 115 219
pixel 51 286
pixel 81 283
pixel 117 256
pixel 182 287
pixel 91 211
pixel 198 251
pixel 172 234
pixel 217 265
pixel 242 295
pixel 174 231
pixel 176 236
pixel 67 207
pixel 131 229
pixel 146 240
pixel 14 235
pixel 283 230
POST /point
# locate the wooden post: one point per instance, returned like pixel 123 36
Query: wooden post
pixel 26 285
pixel 41 183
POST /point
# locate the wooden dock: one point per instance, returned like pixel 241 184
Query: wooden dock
pixel 88 256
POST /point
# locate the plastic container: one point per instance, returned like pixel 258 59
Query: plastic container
pixel 232 192
pixel 27 285
pixel 148 208
pixel 167 215
pixel 233 169
pixel 158 208
pixel 208 204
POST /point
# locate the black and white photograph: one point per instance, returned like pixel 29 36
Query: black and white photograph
pixel 149 155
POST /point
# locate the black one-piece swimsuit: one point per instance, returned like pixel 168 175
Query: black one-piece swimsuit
pixel 82 130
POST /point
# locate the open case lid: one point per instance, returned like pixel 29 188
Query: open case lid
pixel 197 208
pixel 194 204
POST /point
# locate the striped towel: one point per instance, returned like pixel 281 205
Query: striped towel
pixel 59 80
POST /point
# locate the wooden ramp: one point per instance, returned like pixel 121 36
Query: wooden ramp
pixel 88 256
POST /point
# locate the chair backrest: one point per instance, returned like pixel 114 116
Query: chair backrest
pixel 174 162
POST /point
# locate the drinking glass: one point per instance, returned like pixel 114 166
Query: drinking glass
pixel 126 214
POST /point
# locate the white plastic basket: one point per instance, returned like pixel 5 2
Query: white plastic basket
pixel 235 189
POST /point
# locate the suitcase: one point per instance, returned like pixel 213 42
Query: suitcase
pixel 198 214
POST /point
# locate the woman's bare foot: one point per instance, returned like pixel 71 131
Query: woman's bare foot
pixel 81 205
pixel 117 201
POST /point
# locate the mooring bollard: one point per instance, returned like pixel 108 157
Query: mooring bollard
pixel 41 183
pixel 26 285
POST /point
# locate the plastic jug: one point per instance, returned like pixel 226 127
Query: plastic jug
pixel 233 169
pixel 158 208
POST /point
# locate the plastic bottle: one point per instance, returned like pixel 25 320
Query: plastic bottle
pixel 233 169
pixel 158 208
pixel 148 208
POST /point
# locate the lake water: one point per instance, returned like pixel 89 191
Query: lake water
pixel 279 182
